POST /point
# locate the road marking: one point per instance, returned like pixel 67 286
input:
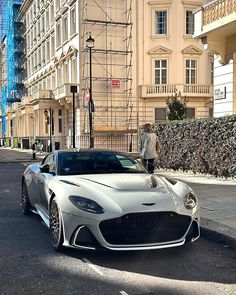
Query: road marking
pixel 123 293
pixel 5 191
pixel 94 267
pixel 12 219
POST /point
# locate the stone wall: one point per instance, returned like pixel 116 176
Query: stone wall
pixel 205 146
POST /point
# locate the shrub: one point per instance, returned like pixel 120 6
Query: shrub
pixel 203 145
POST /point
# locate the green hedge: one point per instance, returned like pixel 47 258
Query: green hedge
pixel 204 146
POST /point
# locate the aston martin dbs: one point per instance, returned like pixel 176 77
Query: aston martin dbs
pixel 100 199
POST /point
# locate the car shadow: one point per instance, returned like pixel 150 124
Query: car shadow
pixel 200 261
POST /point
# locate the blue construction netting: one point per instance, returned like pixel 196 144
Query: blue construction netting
pixel 11 34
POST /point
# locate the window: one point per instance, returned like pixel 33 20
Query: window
pixel 57 4
pixel 52 46
pixel 58 34
pixel 161 22
pixel 74 70
pixel 47 50
pixel 189 23
pixel 66 72
pixel 160 114
pixel 43 24
pixel 51 13
pixel 191 71
pixel 59 76
pixel 53 81
pixel 72 21
pixel 47 19
pixel 64 29
pixel 161 71
pixel 190 113
pixel 59 121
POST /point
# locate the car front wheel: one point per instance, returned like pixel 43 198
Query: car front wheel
pixel 56 226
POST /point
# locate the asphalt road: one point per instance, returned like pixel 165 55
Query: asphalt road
pixel 29 265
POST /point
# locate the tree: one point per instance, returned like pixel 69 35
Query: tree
pixel 176 106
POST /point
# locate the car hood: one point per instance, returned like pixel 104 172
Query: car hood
pixel 126 192
pixel 134 182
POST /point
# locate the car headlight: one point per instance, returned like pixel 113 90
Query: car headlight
pixel 86 204
pixel 190 201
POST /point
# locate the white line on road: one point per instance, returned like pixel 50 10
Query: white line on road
pixel 94 267
pixel 123 293
pixel 5 191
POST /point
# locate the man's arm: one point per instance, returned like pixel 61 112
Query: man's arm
pixel 158 146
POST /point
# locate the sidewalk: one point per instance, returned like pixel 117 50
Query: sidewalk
pixel 217 197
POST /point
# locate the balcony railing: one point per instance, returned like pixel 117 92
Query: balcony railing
pixel 42 93
pixel 165 90
pixel 216 10
pixel 63 91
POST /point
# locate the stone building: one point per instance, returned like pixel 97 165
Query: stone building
pixel 143 52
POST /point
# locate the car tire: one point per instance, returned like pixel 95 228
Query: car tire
pixel 56 229
pixel 25 202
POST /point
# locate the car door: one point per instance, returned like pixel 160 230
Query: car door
pixel 44 178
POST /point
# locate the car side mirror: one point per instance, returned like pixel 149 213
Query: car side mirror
pixel 44 168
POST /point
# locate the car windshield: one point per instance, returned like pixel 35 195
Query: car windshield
pixel 73 163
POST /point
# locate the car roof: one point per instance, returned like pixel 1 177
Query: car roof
pixel 91 150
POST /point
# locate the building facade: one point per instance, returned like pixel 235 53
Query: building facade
pixel 215 25
pixel 168 59
pixel 143 52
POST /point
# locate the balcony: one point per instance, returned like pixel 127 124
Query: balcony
pixel 26 100
pixel 215 25
pixel 63 91
pixel 43 94
pixel 165 90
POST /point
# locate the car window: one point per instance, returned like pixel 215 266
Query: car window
pixel 72 163
pixel 129 163
pixel 50 160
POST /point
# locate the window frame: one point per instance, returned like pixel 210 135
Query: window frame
pixel 155 114
pixel 160 69
pixel 156 22
pixel 188 24
pixel 189 69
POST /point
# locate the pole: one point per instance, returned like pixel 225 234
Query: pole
pixel 91 138
pixel 73 106
pixel 50 129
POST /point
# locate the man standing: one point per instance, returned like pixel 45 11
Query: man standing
pixel 150 147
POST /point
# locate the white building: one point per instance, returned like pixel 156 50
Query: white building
pixel 215 25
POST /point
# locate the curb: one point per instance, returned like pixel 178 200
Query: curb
pixel 217 232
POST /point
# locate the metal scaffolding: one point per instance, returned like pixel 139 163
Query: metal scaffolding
pixel 12 70
pixel 110 24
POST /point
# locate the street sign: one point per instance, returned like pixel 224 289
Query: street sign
pixel 115 83
pixel 220 92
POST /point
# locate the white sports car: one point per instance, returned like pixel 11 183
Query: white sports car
pixel 95 199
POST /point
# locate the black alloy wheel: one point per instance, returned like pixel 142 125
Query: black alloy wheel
pixel 56 226
pixel 25 202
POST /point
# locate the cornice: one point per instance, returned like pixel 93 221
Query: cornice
pixel 160 2
pixel 192 3
pixel 24 7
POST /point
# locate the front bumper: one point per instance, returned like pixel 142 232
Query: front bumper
pixel 86 233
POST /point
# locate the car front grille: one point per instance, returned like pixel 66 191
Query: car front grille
pixel 145 228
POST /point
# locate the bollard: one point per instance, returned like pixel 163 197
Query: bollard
pixel 33 150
